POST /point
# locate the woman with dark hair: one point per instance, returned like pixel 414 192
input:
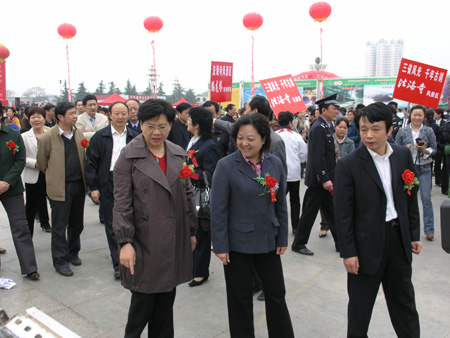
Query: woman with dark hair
pixel 252 235
pixel 154 221
pixel 12 114
pixel 36 196
pixel 421 140
pixel 203 154
pixel 353 132
pixel 342 143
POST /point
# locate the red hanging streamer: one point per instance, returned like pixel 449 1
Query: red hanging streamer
pixel 154 69
pixel 253 70
pixel 68 72
pixel 321 62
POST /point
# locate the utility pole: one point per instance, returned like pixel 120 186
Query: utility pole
pixel 153 79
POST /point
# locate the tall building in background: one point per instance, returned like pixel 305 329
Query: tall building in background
pixel 383 58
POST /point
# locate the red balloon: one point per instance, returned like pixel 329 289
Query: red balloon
pixel 320 11
pixel 252 21
pixel 153 24
pixel 67 31
pixel 4 52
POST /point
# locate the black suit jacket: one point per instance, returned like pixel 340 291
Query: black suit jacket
pixel 138 130
pixel 179 134
pixel 321 161
pixel 360 206
pixel 98 158
pixel 207 156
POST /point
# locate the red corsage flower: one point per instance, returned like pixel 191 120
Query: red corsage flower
pixel 270 185
pixel 187 171
pixel 85 143
pixel 11 145
pixel 190 155
pixel 410 180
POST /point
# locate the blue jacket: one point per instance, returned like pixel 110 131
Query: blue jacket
pixel 353 134
pixel 243 217
pixel 98 158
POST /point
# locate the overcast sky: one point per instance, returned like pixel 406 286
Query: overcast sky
pixel 112 43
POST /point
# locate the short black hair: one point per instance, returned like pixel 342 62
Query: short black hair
pixel 36 110
pixel 339 120
pixel 440 112
pixel 343 110
pixel 105 110
pixel 117 102
pixel 284 118
pixel 135 100
pixel 256 120
pixel 76 102
pixel 62 108
pixel 212 103
pixel 229 107
pixel 88 98
pixel 394 104
pixel 156 107
pixel 260 103
pixel 312 110
pixel 49 106
pixel 392 109
pixel 183 106
pixel 203 118
pixel 375 112
pixel 359 106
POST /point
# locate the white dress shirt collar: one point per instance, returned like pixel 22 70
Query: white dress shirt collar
pixel 67 135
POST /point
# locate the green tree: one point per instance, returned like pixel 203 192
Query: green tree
pixel 128 88
pixel 65 93
pixel 133 90
pixel 149 90
pixel 190 96
pixel 178 91
pixel 118 91
pixel 81 92
pixel 161 91
pixel 112 88
pixel 100 89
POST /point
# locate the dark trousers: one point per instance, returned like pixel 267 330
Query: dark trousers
pixel 15 209
pixel 107 205
pixel 67 215
pixel 445 173
pixel 156 310
pixel 293 188
pixel 438 160
pixel 238 279
pixel 202 252
pixel 314 199
pixel 394 274
pixel 36 201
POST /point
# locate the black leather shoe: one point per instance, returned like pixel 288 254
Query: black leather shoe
pixel 338 247
pixel 198 283
pixel 33 275
pixel 47 228
pixel 117 274
pixel 261 296
pixel 65 272
pixel 303 251
pixel 323 233
pixel 76 261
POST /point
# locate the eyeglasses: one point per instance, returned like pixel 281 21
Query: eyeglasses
pixel 152 127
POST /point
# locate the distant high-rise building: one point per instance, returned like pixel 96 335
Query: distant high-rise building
pixel 383 58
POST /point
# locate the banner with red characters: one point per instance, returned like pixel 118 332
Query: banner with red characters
pixel 221 81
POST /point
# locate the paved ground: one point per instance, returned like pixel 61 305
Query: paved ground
pixel 93 304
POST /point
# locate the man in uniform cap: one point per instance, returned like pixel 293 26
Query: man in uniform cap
pixel 319 175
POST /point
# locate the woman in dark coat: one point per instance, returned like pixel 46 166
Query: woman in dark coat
pixel 203 154
pixel 154 220
pixel 249 227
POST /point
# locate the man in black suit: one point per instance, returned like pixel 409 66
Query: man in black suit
pixel 179 133
pixel 231 115
pixel 101 155
pixel 133 108
pixel 319 176
pixel 378 225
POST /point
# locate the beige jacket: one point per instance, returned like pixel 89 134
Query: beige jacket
pixel 51 161
pixel 84 123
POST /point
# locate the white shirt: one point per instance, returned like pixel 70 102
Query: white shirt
pixel 416 134
pixel 296 152
pixel 384 170
pixel 192 142
pixel 63 133
pixel 119 142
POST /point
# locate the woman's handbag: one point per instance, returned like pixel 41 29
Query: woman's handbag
pixel 202 199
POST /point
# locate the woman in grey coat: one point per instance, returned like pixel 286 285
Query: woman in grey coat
pixel 421 140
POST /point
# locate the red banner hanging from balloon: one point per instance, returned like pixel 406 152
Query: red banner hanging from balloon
pixel 221 81
pixel 3 84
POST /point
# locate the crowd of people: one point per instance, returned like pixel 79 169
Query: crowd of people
pixel 148 165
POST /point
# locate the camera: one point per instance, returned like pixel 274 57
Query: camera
pixel 419 141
